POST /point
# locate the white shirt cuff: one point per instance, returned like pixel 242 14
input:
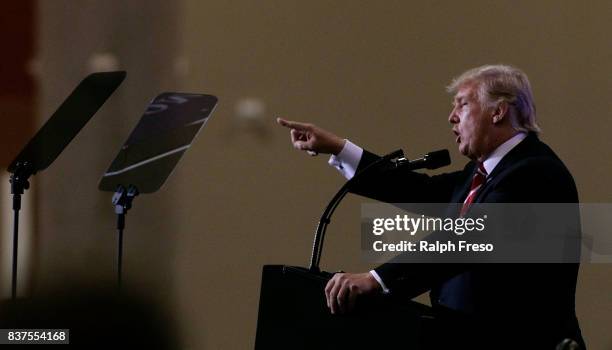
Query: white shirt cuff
pixel 347 160
pixel 380 281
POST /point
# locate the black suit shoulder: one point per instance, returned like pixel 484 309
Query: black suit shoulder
pixel 530 173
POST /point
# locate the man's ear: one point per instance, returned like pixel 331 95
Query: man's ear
pixel 500 112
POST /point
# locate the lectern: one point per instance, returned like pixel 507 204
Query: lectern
pixel 293 315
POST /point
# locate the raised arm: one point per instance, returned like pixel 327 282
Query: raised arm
pixel 312 139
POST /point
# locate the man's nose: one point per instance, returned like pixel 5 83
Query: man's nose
pixel 452 117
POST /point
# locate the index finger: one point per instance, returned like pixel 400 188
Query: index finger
pixel 292 124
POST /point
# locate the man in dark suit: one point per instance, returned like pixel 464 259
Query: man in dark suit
pixel 530 306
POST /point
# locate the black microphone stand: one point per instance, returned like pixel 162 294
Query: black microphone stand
pixel 394 158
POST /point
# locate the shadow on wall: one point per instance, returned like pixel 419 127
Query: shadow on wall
pixel 94 318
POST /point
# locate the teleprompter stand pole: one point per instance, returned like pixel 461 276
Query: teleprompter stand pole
pixel 122 200
pixel 19 183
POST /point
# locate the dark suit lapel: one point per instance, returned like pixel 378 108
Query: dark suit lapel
pixel 516 154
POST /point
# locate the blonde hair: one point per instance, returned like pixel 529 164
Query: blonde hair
pixel 499 83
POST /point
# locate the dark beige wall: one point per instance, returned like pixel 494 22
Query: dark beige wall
pixel 241 197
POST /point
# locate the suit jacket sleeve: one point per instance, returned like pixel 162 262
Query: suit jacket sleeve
pixel 404 186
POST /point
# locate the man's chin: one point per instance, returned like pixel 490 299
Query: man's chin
pixel 464 151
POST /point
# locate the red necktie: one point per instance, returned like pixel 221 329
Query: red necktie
pixel 480 177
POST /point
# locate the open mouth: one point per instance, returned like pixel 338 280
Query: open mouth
pixel 458 137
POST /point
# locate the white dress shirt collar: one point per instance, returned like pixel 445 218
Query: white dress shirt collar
pixel 500 152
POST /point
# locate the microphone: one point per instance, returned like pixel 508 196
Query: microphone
pixel 396 159
pixel 431 160
pixel 393 160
